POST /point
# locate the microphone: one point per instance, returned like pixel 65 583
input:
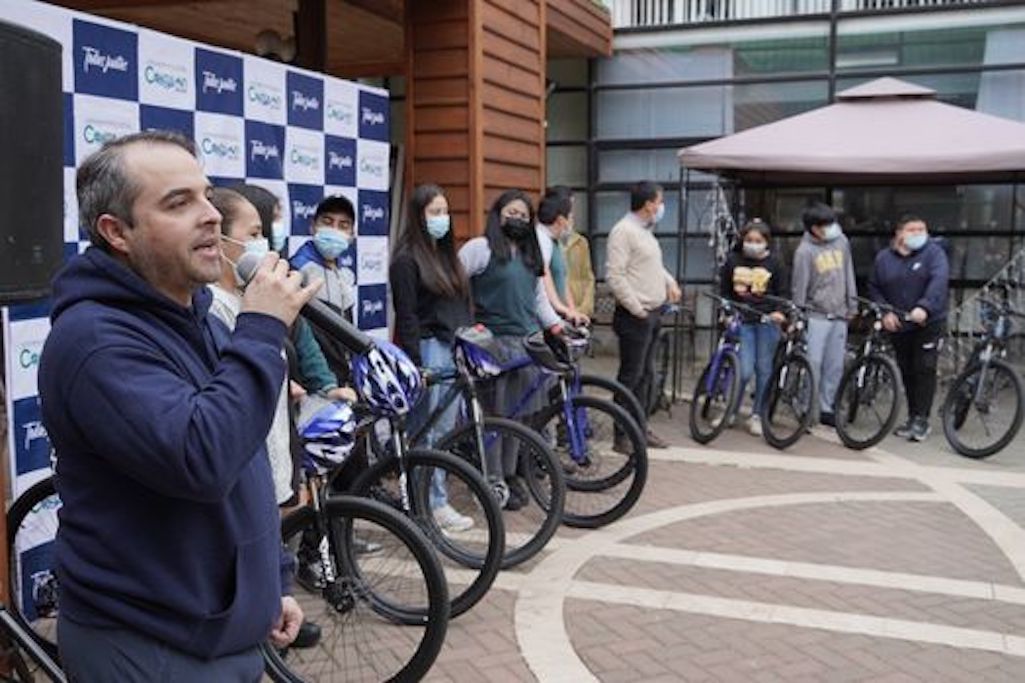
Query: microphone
pixel 316 311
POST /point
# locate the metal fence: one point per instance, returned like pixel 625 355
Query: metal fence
pixel 650 13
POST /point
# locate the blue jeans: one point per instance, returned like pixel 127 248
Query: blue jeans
pixel 436 357
pixel 757 347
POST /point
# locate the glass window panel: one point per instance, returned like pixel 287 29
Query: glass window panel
pixel 567 116
pixel 1001 93
pixel 627 165
pixel 568 73
pixel 950 38
pixel 702 111
pixel 567 165
pixel 580 213
pixel 776 49
pixel 609 208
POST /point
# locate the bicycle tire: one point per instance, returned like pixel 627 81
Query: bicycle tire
pixel 353 596
pixel 618 390
pixel 471 495
pixel 959 401
pixel 879 370
pixel 783 388
pixel 529 529
pixel 39 616
pixel 701 402
pixel 620 484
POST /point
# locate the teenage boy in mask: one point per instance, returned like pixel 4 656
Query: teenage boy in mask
pixel 823 280
pixel 912 275
pixel 334 230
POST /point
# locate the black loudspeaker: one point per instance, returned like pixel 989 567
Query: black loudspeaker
pixel 31 163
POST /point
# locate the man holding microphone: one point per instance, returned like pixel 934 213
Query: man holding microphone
pixel 168 555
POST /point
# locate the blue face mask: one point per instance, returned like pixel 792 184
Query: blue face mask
pixel 331 242
pixel 915 242
pixel 279 233
pixel 660 213
pixel 438 226
pixel 831 232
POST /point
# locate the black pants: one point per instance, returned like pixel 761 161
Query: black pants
pixel 637 338
pixel 917 353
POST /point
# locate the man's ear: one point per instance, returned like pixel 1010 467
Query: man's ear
pixel 112 229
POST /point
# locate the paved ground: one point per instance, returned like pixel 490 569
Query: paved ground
pixel 741 563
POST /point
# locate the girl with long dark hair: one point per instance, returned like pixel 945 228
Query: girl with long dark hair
pixel 509 298
pixel 431 296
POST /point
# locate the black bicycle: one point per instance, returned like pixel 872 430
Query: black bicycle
pixel 868 396
pixel 791 396
pixel 982 411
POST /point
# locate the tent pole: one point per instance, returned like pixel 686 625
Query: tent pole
pixel 681 273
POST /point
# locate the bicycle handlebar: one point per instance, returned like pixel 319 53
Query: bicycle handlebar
pixel 738 305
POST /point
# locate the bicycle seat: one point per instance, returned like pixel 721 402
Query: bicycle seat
pixel 550 352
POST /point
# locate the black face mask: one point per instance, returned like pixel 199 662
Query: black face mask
pixel 516 228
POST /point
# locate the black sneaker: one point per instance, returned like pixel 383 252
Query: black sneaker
pixel 827 419
pixel 904 431
pixel 308 636
pixel 920 429
pixel 517 492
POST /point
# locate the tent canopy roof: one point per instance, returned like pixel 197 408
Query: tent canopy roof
pixel 882 132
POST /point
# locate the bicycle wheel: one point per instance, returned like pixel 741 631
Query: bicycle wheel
pixel 383 614
pixel 716 397
pixel 982 411
pixel 32 583
pixel 868 401
pixel 479 548
pixel 605 457
pixel 528 529
pixel 610 389
pixel 789 405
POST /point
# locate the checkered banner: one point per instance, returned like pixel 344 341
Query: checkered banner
pixel 299 134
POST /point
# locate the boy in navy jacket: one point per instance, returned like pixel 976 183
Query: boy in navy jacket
pixel 912 275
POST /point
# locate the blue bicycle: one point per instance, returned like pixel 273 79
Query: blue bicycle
pixel 717 394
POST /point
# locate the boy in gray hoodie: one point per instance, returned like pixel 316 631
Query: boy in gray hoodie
pixel 823 280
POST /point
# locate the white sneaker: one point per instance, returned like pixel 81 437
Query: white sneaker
pixel 450 520
pixel 754 425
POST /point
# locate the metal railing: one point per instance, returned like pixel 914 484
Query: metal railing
pixel 646 13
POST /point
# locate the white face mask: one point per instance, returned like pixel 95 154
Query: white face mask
pixel 279 233
pixel 831 232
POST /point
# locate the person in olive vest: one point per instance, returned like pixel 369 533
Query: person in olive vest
pixel 505 270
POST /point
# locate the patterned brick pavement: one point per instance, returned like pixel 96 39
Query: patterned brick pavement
pixel 741 563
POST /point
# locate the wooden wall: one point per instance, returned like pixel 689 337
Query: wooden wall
pixel 440 102
pixel 513 83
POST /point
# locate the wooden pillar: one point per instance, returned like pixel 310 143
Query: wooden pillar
pixel 474 102
pixel 311 34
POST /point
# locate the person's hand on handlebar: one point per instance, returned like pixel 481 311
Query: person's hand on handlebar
pixel 891 323
pixel 778 317
pixel 578 318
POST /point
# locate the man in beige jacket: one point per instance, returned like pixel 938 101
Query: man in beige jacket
pixel 641 285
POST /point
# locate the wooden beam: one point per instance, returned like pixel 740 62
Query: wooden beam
pixel 311 35
pixel 390 10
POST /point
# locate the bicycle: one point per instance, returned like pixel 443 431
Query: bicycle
pixel 528 529
pixel 400 583
pixel 792 394
pixel 717 394
pixel 600 446
pixel 868 396
pixel 974 400
pixel 30 625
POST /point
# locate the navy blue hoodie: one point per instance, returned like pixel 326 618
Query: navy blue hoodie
pixel 158 415
pixel 920 278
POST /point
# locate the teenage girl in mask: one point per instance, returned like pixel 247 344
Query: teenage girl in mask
pixel 751 272
pixel 431 294
pixel 505 270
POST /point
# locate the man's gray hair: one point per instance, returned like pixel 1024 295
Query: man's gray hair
pixel 103 186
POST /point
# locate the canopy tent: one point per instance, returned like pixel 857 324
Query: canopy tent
pixel 883 132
